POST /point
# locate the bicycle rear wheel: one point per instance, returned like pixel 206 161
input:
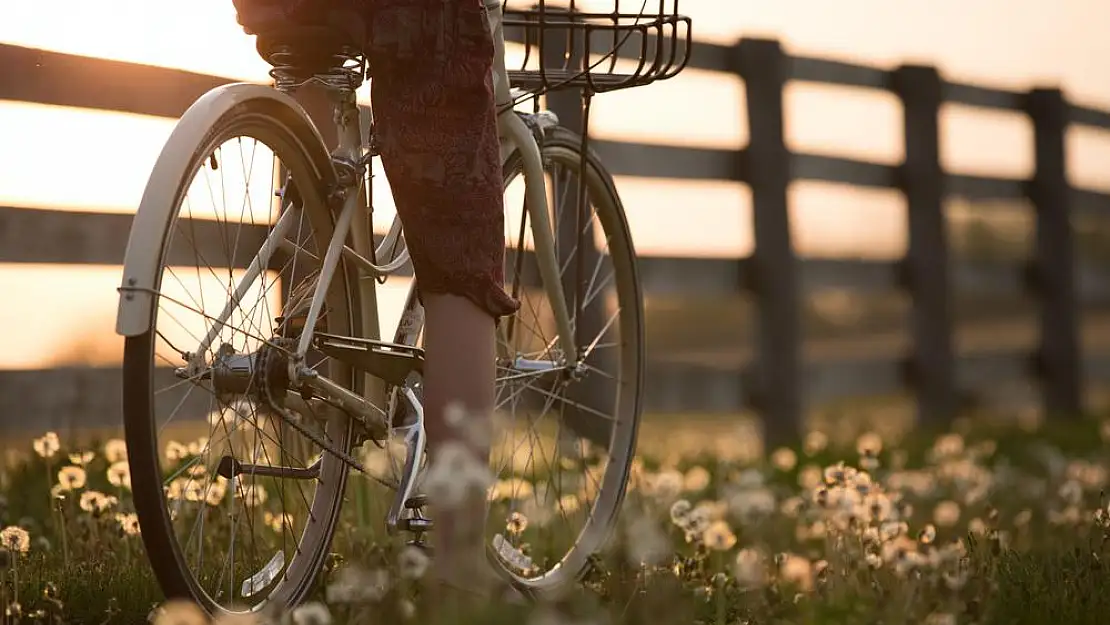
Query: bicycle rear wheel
pixel 563 442
pixel 236 506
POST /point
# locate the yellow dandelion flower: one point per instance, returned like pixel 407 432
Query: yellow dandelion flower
pixel 15 539
pixel 119 474
pixel 115 450
pixel 48 445
pixel 72 478
pixel 81 458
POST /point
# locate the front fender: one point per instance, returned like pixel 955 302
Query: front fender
pixel 142 260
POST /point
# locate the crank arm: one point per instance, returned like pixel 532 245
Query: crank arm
pixel 230 467
pixel 415 442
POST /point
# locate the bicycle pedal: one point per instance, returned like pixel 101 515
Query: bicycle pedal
pixel 416 525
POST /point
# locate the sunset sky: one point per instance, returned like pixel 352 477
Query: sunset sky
pixel 1006 43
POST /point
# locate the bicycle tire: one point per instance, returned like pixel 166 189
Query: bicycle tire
pixel 564 147
pixel 288 133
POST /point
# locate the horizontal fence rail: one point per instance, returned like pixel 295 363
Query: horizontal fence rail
pixel 782 374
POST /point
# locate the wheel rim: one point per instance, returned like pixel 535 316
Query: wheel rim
pixel 561 452
pixel 236 543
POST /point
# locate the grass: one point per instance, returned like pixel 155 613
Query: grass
pixel 985 524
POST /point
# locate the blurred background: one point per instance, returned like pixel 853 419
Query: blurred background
pixel 59 353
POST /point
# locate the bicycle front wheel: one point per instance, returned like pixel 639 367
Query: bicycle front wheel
pixel 564 440
pixel 236 506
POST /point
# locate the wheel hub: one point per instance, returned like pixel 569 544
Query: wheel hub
pixel 261 374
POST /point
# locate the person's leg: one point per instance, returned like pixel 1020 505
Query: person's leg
pixel 436 125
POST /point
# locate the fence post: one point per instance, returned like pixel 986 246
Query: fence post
pixel 932 365
pixel 766 164
pixel 1058 359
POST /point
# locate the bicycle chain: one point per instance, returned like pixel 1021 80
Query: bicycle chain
pixel 290 417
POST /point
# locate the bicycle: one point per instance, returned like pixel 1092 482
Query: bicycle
pixel 290 404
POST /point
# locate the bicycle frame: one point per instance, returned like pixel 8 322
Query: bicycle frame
pixel 353 221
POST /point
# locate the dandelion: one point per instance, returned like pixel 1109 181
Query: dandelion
pixel 696 480
pixel 412 562
pixel 869 444
pixel 815 442
pixel 216 491
pixel 749 568
pixel 312 613
pixel 516 523
pixel 179 612
pixel 453 473
pixel 72 478
pixel 119 474
pixel 115 450
pixel 646 544
pixel 940 618
pixel 175 451
pixel 15 539
pixel 96 502
pixel 947 513
pixel 751 504
pixel 810 476
pixel 81 458
pixel 719 537
pixel 795 569
pixel 278 522
pixel 667 485
pixel 948 446
pixel 680 510
pixel 253 495
pixel 407 608
pixel 356 585
pixel 873 560
pixel 928 534
pixel 129 523
pixel 237 618
pixel 48 445
pixel 784 459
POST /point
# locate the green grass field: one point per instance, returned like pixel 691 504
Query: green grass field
pixel 978 525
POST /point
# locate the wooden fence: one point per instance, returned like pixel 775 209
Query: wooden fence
pixel 779 382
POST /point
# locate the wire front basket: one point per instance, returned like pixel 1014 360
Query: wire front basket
pixel 594 45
